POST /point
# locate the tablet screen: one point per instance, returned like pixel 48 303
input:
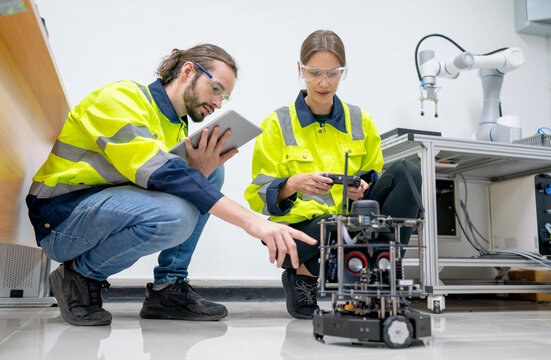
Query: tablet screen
pixel 242 132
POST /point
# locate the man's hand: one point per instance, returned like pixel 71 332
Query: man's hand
pixel 207 156
pixel 357 193
pixel 278 237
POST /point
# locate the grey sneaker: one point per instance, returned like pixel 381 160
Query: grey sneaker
pixel 79 298
pixel 300 294
pixel 179 301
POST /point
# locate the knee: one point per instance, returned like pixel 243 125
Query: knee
pixel 415 173
pixel 216 178
pixel 401 167
pixel 178 222
pixel 183 218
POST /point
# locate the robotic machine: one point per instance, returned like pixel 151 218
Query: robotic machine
pixel 361 268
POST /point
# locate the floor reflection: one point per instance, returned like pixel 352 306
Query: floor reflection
pixel 162 339
pixel 79 342
pixel 264 331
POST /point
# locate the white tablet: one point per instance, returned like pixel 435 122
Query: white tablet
pixel 242 132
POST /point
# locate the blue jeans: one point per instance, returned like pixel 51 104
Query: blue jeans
pixel 110 230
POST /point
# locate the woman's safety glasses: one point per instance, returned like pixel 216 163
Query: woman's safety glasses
pixel 315 74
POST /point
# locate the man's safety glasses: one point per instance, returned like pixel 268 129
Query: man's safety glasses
pixel 216 87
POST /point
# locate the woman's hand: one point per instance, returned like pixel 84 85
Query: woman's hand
pixel 311 184
pixel 357 193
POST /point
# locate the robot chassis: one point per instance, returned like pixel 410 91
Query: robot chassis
pixel 366 282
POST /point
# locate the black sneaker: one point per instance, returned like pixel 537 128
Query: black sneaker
pixel 79 298
pixel 179 301
pixel 300 294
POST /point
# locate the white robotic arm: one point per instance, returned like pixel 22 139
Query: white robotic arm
pixel 492 67
pixel 503 61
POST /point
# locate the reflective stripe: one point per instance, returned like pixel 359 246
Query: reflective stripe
pixel 124 135
pixel 262 193
pixel 262 179
pixel 284 117
pixel 94 159
pixel 326 199
pixel 356 122
pixel 43 191
pixel 9 7
pixel 153 164
pixel 145 91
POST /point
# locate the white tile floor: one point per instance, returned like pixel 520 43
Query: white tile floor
pixel 263 330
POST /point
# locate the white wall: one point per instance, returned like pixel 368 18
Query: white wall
pixel 97 42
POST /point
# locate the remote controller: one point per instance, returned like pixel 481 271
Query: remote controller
pixel 339 179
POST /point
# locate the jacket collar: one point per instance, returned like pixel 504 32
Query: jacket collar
pixel 163 101
pixel 305 116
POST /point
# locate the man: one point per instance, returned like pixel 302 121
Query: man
pixel 110 192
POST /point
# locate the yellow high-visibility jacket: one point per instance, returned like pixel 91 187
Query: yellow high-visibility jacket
pixel 119 134
pixel 293 142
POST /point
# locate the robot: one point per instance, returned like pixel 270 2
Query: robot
pixel 361 268
pixel 493 67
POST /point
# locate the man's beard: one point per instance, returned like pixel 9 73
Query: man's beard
pixel 194 108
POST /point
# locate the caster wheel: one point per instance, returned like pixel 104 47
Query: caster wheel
pixel 318 337
pixel 436 308
pixel 397 332
pixel 318 312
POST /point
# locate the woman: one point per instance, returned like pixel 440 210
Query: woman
pixel 305 140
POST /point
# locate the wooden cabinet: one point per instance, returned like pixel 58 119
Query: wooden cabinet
pixel 33 107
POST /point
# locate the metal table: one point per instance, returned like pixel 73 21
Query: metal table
pixel 476 160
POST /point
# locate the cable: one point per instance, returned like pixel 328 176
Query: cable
pixel 476 246
pixel 413 189
pixel 470 224
pixel 543 261
pixel 491 52
pixel 480 251
pixel 450 40
pixel 423 39
pixel 467 217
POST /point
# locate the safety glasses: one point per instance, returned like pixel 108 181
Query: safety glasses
pixel 316 74
pixel 216 86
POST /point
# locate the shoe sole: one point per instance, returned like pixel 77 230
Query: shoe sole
pixel 287 290
pixel 55 285
pixel 164 313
